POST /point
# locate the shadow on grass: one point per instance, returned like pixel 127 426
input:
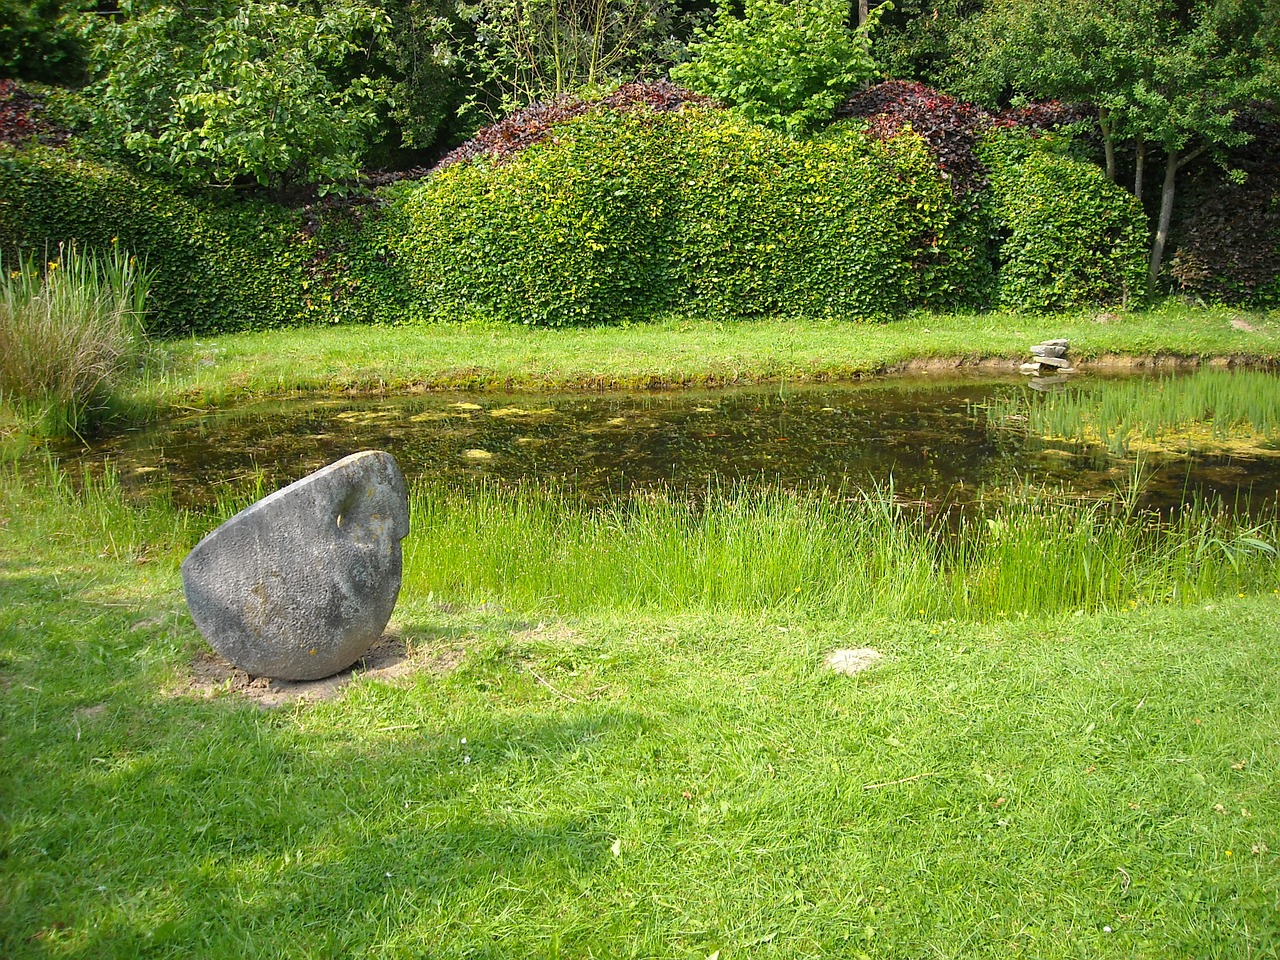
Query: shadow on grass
pixel 159 826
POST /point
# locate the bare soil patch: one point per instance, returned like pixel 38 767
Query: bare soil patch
pixel 390 659
pixel 851 662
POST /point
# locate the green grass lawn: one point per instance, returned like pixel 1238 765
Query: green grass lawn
pixel 674 352
pixel 626 779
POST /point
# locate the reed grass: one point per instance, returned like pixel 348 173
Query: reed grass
pixel 83 508
pixel 1037 552
pixel 1209 405
pixel 70 331
pixel 527 549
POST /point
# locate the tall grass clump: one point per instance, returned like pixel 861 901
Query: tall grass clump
pixel 70 331
pixel 1034 553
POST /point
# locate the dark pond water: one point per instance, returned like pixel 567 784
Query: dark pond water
pixel 934 438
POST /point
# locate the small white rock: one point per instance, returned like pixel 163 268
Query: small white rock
pixel 851 661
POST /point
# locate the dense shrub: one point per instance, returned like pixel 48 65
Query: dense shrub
pixel 1066 235
pixel 218 265
pixel 1228 247
pixel 23 118
pixel 534 123
pixel 40 42
pixel 238 92
pixel 949 126
pixel 623 214
pixel 782 63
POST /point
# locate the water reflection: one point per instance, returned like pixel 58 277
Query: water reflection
pixel 934 438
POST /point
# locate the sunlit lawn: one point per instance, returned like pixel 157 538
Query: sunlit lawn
pixel 627 780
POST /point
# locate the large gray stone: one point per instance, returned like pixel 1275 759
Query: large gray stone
pixel 300 585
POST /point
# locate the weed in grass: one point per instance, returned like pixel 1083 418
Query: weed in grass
pixel 70 329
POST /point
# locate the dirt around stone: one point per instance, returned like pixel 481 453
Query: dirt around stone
pixel 390 659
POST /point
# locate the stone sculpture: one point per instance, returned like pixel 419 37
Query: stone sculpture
pixel 1049 365
pixel 301 584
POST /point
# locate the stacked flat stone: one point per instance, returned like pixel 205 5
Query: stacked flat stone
pixel 1049 364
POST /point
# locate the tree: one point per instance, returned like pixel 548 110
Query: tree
pixel 1173 74
pixel 783 64
pixel 39 42
pixel 521 51
pixel 231 93
pixel 915 41
pixel 427 80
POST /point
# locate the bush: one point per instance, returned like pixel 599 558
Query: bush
pixel 239 92
pixel 534 123
pixel 220 265
pixel 617 216
pixel 1228 246
pixel 782 64
pixel 39 40
pixel 949 126
pixel 1229 249
pixel 1066 236
pixel 70 327
pixel 23 117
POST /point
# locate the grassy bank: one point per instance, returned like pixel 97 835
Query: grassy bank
pixel 615 773
pixel 673 352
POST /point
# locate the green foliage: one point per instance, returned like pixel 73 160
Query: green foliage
pixel 251 92
pixel 1165 71
pixel 620 216
pixel 917 39
pixel 427 84
pixel 39 40
pixel 785 65
pixel 1068 237
pixel 219 265
pixel 522 51
pixel 70 328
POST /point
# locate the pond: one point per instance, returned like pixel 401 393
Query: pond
pixel 1211 434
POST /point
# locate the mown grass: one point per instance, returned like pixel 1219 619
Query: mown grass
pixel 678 351
pixel 616 776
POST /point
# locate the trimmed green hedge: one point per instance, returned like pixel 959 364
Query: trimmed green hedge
pixel 220 265
pixel 615 217
pixel 618 216
pixel 1066 236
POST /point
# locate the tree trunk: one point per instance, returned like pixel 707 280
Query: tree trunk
pixel 1139 165
pixel 1166 216
pixel 1108 145
pixel 863 11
